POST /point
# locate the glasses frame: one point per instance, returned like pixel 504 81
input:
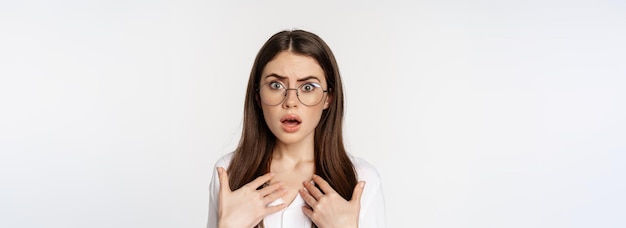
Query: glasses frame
pixel 297 93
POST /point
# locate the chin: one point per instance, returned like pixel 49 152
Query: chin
pixel 289 139
pixel 302 133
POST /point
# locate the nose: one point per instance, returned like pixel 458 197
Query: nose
pixel 292 98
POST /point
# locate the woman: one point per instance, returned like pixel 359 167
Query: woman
pixel 290 168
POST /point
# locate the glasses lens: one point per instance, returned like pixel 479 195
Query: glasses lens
pixel 310 94
pixel 272 93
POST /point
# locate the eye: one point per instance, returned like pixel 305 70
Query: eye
pixel 310 87
pixel 275 85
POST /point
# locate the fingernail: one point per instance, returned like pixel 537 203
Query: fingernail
pixel 362 184
pixel 219 170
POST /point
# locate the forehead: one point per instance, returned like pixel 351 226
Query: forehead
pixel 293 66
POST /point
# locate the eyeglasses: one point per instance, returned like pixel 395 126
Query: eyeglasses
pixel 275 93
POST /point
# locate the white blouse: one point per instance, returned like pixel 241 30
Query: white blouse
pixel 372 213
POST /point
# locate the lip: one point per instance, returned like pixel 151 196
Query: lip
pixel 290 127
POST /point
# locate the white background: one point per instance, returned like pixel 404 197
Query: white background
pixel 476 114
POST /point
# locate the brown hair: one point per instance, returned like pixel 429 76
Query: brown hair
pixel 253 154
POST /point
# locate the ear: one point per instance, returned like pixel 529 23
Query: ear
pixel 328 100
pixel 257 99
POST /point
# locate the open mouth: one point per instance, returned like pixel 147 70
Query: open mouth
pixel 291 120
pixel 291 123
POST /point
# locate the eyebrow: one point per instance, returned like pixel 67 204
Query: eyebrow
pixel 300 80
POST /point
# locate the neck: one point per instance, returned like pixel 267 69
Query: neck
pixel 297 152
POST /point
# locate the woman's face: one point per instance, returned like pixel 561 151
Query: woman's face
pixel 291 121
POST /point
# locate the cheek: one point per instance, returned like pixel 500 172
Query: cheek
pixel 315 115
pixel 267 113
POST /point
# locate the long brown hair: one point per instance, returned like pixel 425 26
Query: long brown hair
pixel 253 154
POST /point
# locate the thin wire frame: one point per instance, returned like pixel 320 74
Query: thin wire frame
pixel 286 90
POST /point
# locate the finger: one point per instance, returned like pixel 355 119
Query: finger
pixel 256 183
pixel 323 184
pixel 274 209
pixel 223 176
pixel 358 191
pixel 308 198
pixel 271 188
pixel 274 196
pixel 307 211
pixel 312 190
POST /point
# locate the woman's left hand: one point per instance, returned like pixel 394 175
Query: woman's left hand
pixel 329 209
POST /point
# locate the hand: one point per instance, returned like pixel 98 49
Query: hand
pixel 330 209
pixel 246 206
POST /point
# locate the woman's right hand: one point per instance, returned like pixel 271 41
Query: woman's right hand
pixel 247 206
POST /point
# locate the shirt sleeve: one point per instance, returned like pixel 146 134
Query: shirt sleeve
pixel 214 189
pixel 372 214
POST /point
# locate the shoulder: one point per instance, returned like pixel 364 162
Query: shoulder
pixel 224 161
pixel 365 171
